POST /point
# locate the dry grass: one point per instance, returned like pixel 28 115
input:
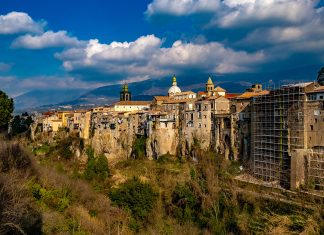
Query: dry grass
pixel 17 209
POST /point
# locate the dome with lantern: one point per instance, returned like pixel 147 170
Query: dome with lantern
pixel 174 89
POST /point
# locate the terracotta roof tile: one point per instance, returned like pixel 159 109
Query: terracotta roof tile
pixel 249 94
pixel 161 98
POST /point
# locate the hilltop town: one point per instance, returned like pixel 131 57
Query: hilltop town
pixel 276 135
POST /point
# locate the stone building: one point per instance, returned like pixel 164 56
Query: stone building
pixel 287 140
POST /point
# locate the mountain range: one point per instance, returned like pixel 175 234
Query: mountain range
pixel 145 90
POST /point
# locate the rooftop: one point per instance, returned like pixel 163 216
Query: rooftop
pixel 134 103
pixel 249 94
pixel 219 89
pixel 161 98
pixel 317 89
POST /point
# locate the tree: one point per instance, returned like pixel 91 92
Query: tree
pixel 97 166
pixel 6 109
pixel 320 77
pixel 134 196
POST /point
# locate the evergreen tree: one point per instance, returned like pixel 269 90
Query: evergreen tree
pixel 6 109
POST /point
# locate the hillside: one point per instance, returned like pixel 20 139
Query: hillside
pixel 72 190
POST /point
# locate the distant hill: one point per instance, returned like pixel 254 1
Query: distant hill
pixel 38 98
pixel 145 90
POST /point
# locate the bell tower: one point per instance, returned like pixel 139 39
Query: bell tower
pixel 125 94
pixel 209 86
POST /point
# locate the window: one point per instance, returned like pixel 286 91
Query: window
pixel 199 125
pixel 321 97
pixel 311 127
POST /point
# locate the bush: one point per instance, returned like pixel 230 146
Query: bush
pixel 64 148
pixel 136 197
pixel 139 148
pixel 58 199
pixel 17 212
pixel 14 156
pixel 185 204
pixel 97 166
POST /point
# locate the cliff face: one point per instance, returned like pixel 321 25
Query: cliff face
pixel 162 137
pixel 117 143
pixel 162 141
pixel 114 143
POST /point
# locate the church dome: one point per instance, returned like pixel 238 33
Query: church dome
pixel 174 89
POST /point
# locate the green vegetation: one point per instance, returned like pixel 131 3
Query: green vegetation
pixel 20 124
pixel 136 197
pixel 138 148
pixel 6 109
pixel 97 166
pixel 57 199
pixel 42 150
pixel 80 194
pixel 185 204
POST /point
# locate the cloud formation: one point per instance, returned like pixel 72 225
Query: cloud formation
pixel 280 28
pixel 46 40
pixel 256 33
pixel 146 57
pixel 257 12
pixel 181 7
pixel 238 13
pixel 19 22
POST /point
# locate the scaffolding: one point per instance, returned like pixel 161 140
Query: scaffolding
pixel 315 169
pixel 277 128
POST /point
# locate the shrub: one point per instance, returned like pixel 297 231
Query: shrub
pixel 58 199
pixel 64 148
pixel 14 156
pixel 185 204
pixel 17 212
pixel 101 167
pixel 136 197
pixel 97 166
pixel 139 148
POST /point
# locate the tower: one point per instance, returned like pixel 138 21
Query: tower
pixel 209 86
pixel 125 94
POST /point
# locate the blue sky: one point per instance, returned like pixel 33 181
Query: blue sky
pixel 85 44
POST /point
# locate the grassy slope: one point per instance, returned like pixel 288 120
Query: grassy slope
pixel 71 205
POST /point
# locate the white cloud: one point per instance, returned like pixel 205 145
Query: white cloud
pixel 208 57
pixel 19 22
pixel 307 34
pixel 45 40
pixel 238 13
pixel 247 12
pixel 146 58
pixel 181 7
pixel 280 27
